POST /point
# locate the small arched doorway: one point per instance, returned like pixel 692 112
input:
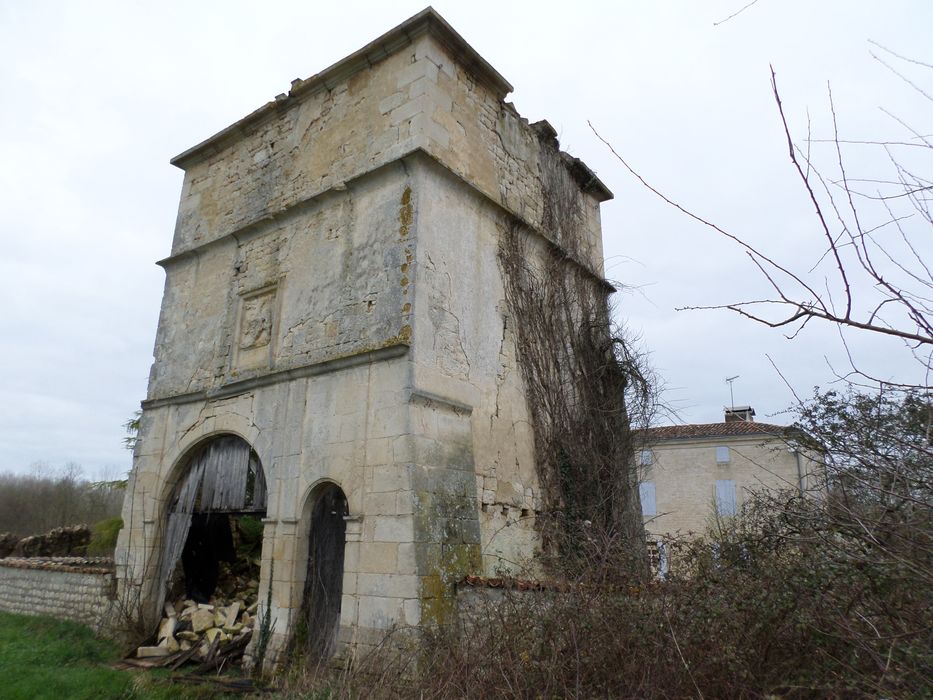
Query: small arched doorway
pixel 319 618
pixel 214 516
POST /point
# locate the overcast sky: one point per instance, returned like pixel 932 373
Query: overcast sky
pixel 98 96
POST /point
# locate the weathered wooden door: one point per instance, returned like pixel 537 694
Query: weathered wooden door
pixel 320 611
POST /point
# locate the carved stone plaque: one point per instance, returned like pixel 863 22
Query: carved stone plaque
pixel 256 329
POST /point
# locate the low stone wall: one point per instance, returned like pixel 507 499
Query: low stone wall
pixel 481 600
pixel 68 588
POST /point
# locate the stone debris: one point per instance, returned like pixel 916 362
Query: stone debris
pixel 231 613
pixel 148 652
pixel 202 620
pixel 60 542
pixel 8 542
pixel 204 632
pixel 167 628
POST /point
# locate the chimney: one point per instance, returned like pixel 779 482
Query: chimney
pixel 736 413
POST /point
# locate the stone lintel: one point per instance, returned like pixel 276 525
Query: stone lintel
pixel 426 22
pixel 389 352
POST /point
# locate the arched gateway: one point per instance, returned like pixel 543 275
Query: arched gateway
pixel 221 482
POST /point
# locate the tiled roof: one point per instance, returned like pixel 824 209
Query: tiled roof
pixel 710 430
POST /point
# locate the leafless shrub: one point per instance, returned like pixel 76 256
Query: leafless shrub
pixel 789 599
pixel 827 596
pixel 387 670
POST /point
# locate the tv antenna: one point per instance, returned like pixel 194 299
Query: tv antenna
pixel 729 381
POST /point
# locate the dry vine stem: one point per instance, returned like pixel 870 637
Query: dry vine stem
pixel 577 373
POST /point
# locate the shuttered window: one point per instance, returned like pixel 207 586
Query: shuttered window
pixel 722 455
pixel 646 492
pixel 663 564
pixel 725 497
pixel 645 458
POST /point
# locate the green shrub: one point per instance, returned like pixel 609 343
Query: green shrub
pixel 104 538
pixel 250 528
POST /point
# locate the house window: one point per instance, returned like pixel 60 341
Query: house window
pixel 646 492
pixel 644 458
pixel 722 455
pixel 725 497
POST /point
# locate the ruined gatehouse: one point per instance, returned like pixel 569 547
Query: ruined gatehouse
pixel 335 353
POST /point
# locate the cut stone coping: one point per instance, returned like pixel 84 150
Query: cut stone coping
pixel 428 21
pixel 517 584
pixel 76 565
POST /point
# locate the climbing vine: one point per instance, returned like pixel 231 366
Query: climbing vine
pixel 583 381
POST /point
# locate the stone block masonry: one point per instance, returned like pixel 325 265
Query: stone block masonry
pixel 69 588
pixel 334 299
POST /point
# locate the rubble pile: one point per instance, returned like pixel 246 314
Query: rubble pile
pixel 195 630
pixel 213 630
pixel 60 542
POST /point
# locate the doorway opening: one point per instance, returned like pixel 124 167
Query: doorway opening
pixel 214 527
pixel 319 617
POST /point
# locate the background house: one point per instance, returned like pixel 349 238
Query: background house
pixel 689 474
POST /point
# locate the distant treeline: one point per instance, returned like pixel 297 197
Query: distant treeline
pixel 32 504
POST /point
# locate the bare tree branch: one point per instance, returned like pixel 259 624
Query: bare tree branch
pixel 880 290
pixel 736 13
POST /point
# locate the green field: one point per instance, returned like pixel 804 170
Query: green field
pixel 42 658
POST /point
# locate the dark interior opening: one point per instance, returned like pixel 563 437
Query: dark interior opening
pixel 214 526
pixel 319 619
pixel 210 541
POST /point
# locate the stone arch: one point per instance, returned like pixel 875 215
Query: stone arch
pixel 320 570
pixel 214 483
pixel 180 453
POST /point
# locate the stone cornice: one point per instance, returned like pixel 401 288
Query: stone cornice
pixel 256 226
pixel 426 22
pixel 430 399
pixel 241 386
pixel 67 565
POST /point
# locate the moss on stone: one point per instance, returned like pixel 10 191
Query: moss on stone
pixel 405 214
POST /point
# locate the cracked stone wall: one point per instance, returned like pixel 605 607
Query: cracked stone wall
pixel 316 139
pixel 333 296
pixel 467 352
pixel 327 281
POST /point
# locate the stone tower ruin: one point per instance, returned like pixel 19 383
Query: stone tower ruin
pixel 335 353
